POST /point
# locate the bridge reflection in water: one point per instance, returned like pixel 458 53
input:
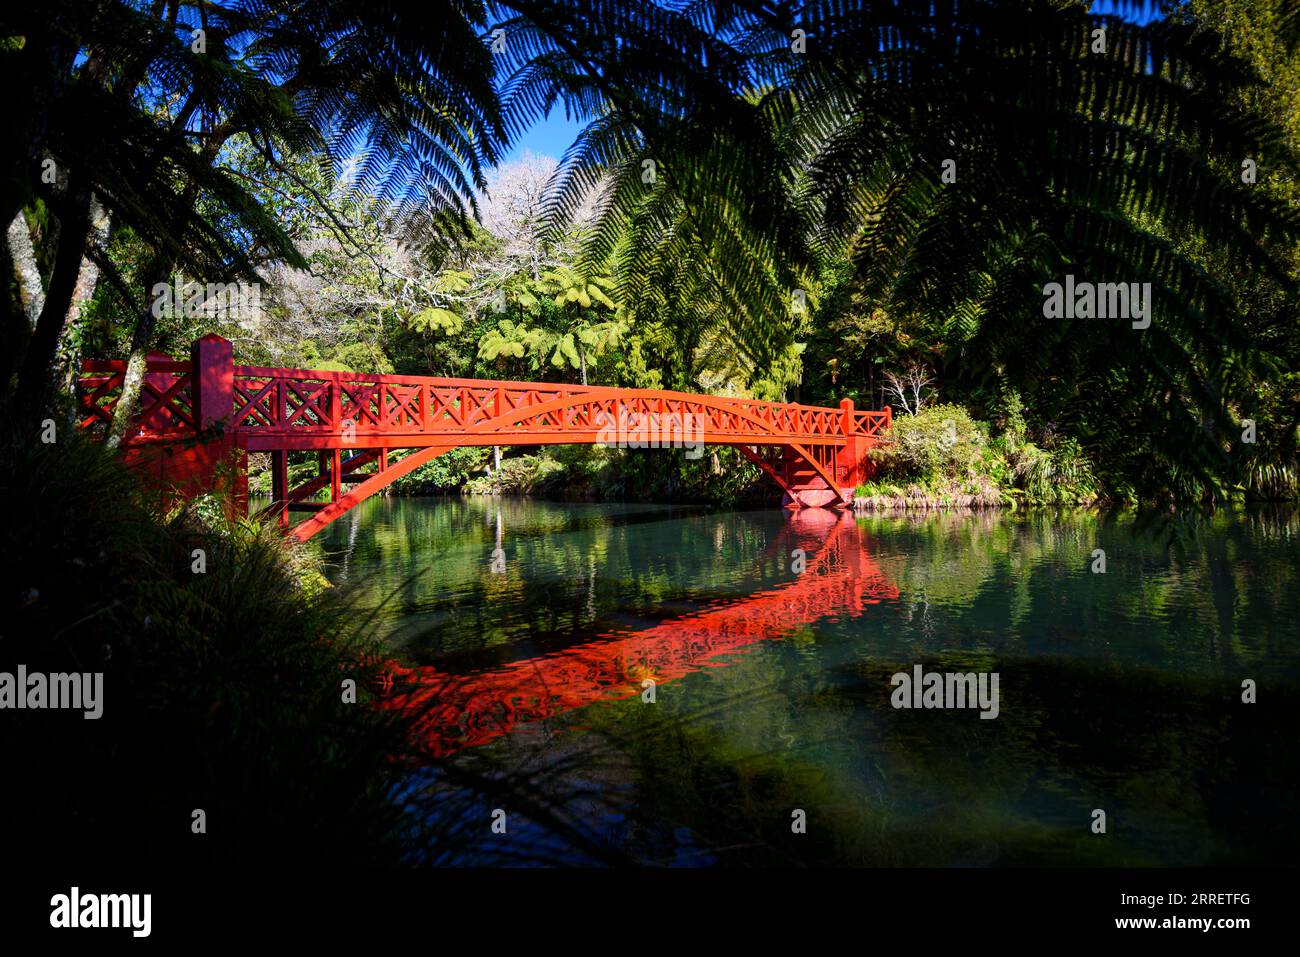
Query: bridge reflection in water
pixel 454 712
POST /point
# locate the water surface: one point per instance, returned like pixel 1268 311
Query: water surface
pixel 535 633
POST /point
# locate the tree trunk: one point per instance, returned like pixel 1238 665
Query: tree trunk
pixel 128 402
pixel 159 272
pixel 28 274
pixel 69 353
pixel 35 380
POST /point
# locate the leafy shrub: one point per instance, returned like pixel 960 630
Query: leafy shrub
pixel 1062 475
pixel 943 456
pixel 446 473
pixel 221 688
pixel 581 472
pixel 517 475
pixel 720 477
pixel 942 442
pixel 1012 420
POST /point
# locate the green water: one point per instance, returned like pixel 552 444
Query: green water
pixel 1118 691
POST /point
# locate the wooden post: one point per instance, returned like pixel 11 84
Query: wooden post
pixel 498 406
pixel 280 487
pixel 212 406
pixel 213 388
pixel 846 411
pixel 849 466
pixel 336 406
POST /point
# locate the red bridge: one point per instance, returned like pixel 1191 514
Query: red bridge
pixel 200 418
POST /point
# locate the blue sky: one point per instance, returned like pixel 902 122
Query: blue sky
pixel 549 137
pixel 552 136
pixel 1124 8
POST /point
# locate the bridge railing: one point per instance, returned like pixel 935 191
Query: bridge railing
pixel 873 424
pixel 288 403
pixel 300 401
pixel 166 398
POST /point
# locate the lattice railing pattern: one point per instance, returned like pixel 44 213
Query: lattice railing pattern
pixel 301 401
pixel 298 402
pixel 166 399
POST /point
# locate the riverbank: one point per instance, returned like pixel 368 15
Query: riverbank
pixel 939 458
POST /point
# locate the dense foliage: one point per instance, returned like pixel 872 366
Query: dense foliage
pixel 803 203
pixel 240 687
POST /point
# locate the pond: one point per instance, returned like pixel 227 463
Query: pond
pixel 690 687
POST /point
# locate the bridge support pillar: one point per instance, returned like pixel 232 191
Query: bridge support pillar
pixel 848 464
pixel 280 487
pixel 212 363
pixel 851 465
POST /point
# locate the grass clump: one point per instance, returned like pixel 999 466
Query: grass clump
pixel 222 687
